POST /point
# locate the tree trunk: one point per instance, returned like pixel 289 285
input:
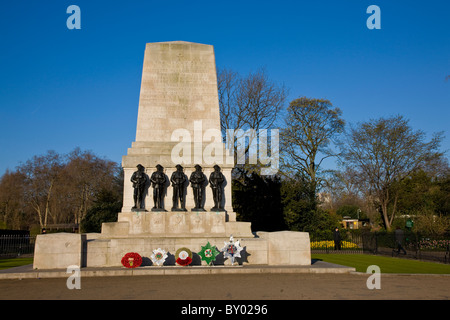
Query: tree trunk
pixel 47 203
pixel 385 216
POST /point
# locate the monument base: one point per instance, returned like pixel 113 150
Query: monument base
pixel 145 231
pixel 178 124
pixel 271 248
pixel 59 250
pixel 177 224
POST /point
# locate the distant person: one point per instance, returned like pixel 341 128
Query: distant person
pixel 337 239
pixel 399 235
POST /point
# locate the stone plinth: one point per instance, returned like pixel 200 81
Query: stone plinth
pixel 58 250
pixel 175 224
pixel 277 248
pixel 287 247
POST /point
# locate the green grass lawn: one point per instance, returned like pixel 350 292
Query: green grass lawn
pixel 387 264
pixel 15 262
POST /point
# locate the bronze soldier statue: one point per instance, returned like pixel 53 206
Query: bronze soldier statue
pixel 158 180
pixel 216 180
pixel 197 179
pixel 178 179
pixel 139 180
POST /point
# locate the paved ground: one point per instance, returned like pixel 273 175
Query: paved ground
pixel 233 287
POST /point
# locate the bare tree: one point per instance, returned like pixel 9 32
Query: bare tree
pixel 383 152
pixel 85 175
pixel 248 104
pixel 340 185
pixel 253 101
pixel 13 209
pixel 40 177
pixel 311 125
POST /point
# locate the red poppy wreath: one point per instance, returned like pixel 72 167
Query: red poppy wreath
pixel 183 256
pixel 131 260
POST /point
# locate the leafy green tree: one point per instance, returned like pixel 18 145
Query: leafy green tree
pixel 299 203
pixel 257 199
pixel 300 212
pixel 106 207
pixel 424 197
pixel 415 193
pixel 442 196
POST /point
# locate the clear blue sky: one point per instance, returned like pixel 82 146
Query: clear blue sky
pixel 61 88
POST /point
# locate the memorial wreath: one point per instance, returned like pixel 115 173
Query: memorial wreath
pixel 131 260
pixel 183 256
pixel 158 257
pixel 208 253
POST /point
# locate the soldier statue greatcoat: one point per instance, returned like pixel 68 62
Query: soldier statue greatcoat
pixel 158 180
pixel 178 180
pixel 139 180
pixel 216 179
pixel 197 180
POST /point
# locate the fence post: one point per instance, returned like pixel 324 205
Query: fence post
pixel 418 255
pixel 447 254
pixel 376 243
pixel 16 245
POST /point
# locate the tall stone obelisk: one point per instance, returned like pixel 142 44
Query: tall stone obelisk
pixel 178 121
pixel 179 86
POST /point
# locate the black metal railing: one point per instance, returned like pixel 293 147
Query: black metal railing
pixel 435 247
pixel 16 245
pixel 325 243
pixel 416 245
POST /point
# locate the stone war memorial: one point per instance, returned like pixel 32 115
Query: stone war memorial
pixel 177 207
